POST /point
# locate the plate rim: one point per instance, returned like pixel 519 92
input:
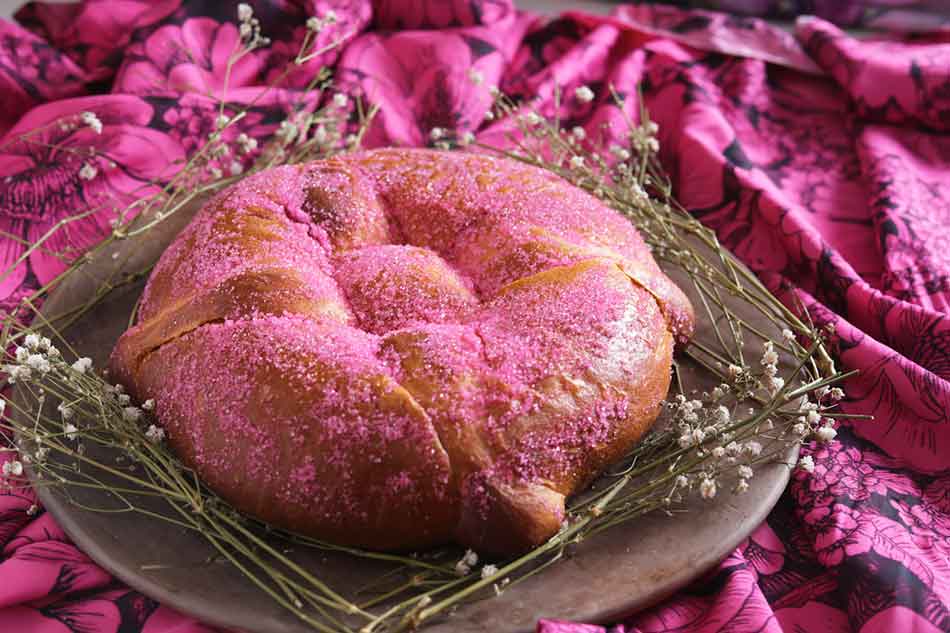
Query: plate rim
pixel 211 613
pixel 56 504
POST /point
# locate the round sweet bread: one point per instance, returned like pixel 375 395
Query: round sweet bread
pixel 402 348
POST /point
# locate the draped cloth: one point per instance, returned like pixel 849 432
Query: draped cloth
pixel 820 160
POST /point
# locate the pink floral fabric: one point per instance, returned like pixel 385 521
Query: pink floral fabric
pixel 903 15
pixel 821 160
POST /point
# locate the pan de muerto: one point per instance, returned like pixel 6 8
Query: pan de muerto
pixel 402 348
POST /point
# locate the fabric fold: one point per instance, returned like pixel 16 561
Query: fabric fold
pixel 820 159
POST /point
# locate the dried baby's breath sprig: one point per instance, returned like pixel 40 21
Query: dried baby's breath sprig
pixel 75 430
pixel 249 28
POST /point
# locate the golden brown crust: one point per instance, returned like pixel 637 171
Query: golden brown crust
pixel 277 459
pixel 404 347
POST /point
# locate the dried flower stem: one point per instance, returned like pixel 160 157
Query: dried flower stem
pixel 703 443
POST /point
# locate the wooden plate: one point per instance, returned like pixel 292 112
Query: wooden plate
pixel 604 578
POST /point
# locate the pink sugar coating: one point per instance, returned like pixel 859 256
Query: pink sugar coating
pixel 476 213
pixel 222 254
pixel 533 331
pixel 346 207
pixel 393 286
pixel 434 214
pixel 590 331
pixel 351 436
pixel 566 450
pixel 454 360
pixel 492 344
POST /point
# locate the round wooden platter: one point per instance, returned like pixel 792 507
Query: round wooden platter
pixel 605 577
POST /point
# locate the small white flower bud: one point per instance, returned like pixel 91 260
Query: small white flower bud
pixel 154 434
pixel 531 118
pixel 753 448
pixel 584 94
pixel 88 171
pixel 619 152
pixel 38 362
pixel 90 120
pixel 807 464
pixel 320 135
pixel 82 365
